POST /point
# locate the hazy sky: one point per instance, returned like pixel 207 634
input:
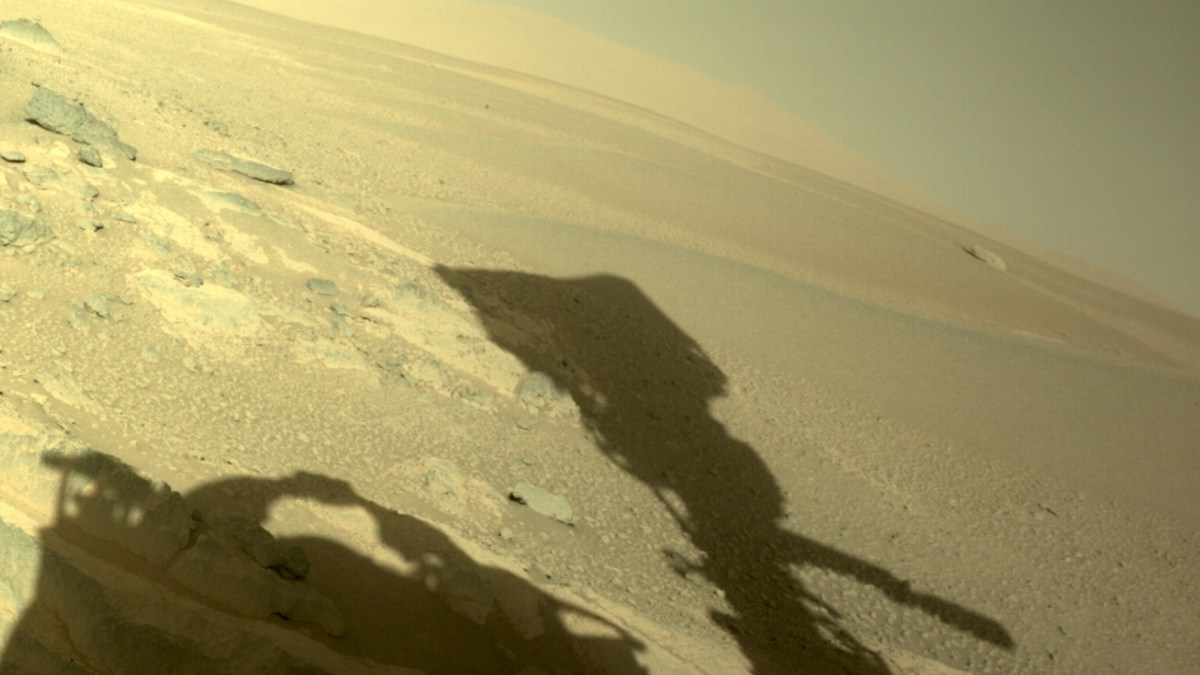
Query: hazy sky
pixel 1072 123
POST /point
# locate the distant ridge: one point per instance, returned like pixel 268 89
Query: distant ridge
pixel 545 47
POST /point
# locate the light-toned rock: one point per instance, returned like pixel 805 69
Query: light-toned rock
pixel 208 309
pixel 987 257
pixel 546 503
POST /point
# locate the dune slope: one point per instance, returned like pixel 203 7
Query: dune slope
pixel 379 360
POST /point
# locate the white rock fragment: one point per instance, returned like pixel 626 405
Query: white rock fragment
pixel 543 502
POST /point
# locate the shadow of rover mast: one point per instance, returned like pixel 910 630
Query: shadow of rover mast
pixel 643 387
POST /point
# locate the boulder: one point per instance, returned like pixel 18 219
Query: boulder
pixel 19 230
pixel 31 34
pixel 40 175
pixel 51 111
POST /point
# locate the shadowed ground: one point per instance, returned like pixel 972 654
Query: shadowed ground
pixel 644 387
pixel 444 614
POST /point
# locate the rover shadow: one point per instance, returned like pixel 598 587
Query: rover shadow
pixel 643 387
pixel 432 607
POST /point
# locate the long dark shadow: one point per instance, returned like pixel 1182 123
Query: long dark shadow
pixel 444 614
pixel 644 387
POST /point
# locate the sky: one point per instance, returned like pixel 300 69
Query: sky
pixel 1075 124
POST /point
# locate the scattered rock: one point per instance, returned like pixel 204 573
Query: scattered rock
pixel 55 113
pixel 322 287
pixel 231 200
pixel 543 502
pixel 990 259
pixel 40 175
pixel 217 126
pixel 539 575
pixel 125 217
pixel 91 156
pixel 219 568
pixel 189 280
pixel 12 156
pixel 7 293
pixel 426 372
pixel 540 391
pixel 239 533
pixel 443 478
pixel 19 230
pixel 412 292
pixel 89 224
pixel 246 167
pixel 97 304
pixel 31 34
pixel 200 368
pixel 29 204
pixel 341 326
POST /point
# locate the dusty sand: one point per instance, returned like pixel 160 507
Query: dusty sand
pixel 768 413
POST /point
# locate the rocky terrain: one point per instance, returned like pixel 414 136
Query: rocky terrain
pixel 321 353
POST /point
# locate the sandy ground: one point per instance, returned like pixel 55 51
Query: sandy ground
pixel 764 417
